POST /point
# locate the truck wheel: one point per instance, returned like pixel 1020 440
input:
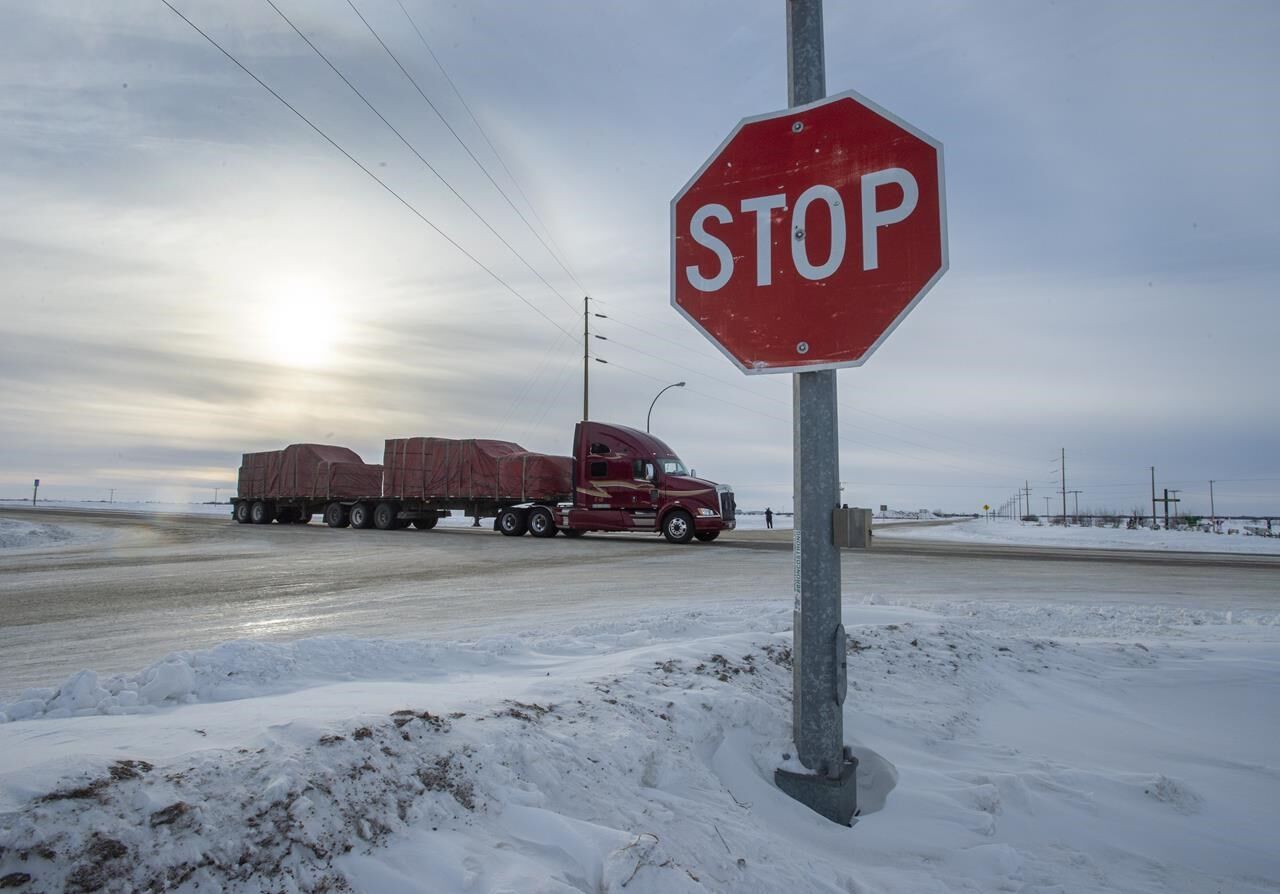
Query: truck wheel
pixel 541 522
pixel 361 517
pixel 677 527
pixel 384 517
pixel 512 522
pixel 572 533
pixel 335 516
pixel 426 524
pixel 242 512
pixel 262 513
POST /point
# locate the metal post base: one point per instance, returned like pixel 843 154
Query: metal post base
pixel 835 799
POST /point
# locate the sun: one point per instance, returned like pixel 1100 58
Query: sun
pixel 301 323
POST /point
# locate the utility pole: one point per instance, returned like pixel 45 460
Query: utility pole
pixel 820 677
pixel 1213 515
pixel 1175 501
pixel 586 354
pixel 215 495
pixel 1166 500
pixel 1153 498
pixel 1064 487
pixel 1046 507
pixel 112 497
pixel 1026 486
pixel 1076 497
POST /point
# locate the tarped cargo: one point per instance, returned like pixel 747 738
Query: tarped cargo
pixel 316 471
pixel 448 469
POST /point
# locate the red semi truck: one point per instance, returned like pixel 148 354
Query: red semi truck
pixel 618 479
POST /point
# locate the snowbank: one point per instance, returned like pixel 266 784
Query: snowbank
pixel 1033 748
pixel 17 534
pixel 1006 531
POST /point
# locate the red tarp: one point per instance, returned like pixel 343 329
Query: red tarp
pixel 308 470
pixel 443 468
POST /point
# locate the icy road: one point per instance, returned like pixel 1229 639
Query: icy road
pixel 127 588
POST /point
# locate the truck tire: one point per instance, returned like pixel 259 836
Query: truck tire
pixel 262 513
pixel 426 523
pixel 677 527
pixel 335 516
pixel 384 517
pixel 706 536
pixel 541 522
pixel 512 522
pixel 361 516
pixel 242 512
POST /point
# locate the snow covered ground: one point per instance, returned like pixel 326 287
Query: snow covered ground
pixel 1005 746
pixel 1007 531
pixel 223 509
pixel 19 535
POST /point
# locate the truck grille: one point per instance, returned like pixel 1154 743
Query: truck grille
pixel 728 509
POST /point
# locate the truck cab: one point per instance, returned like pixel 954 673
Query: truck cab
pixel 628 480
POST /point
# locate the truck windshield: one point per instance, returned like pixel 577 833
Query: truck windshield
pixel 672 466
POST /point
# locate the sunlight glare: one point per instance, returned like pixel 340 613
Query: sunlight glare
pixel 302 324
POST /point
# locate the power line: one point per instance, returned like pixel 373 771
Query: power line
pixel 558 255
pixel 530 382
pixel 403 139
pixel 776 400
pixel 351 158
pixel 846 437
pixel 449 127
pixel 843 406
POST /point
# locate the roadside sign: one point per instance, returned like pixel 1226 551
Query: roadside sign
pixel 37 484
pixel 986 508
pixel 808 236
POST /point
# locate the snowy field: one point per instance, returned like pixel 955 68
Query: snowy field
pixel 1019 747
pixel 1007 531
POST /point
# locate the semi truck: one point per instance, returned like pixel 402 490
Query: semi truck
pixel 618 479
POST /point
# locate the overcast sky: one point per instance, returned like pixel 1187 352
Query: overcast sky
pixel 190 272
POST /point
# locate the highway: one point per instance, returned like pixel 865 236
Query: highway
pixel 148 583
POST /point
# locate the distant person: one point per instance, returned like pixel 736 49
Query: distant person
pixel 768 518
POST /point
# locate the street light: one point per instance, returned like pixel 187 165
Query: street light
pixel 649 417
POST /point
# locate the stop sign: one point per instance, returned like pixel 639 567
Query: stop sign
pixel 809 234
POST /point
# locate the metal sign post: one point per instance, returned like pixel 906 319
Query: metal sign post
pixel 818 647
pixel 797 247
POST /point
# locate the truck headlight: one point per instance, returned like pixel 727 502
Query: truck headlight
pixel 707 513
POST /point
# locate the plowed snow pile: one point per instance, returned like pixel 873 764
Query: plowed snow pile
pixel 1027 748
pixel 1004 531
pixel 16 534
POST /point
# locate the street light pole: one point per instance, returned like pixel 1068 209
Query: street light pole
pixel 648 418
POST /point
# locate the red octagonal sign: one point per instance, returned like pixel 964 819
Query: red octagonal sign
pixel 809 234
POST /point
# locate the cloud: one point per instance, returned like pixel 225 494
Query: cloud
pixel 1111 186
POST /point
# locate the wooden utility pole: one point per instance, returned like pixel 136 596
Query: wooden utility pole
pixel 586 356
pixel 1064 486
pixel 1153 498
